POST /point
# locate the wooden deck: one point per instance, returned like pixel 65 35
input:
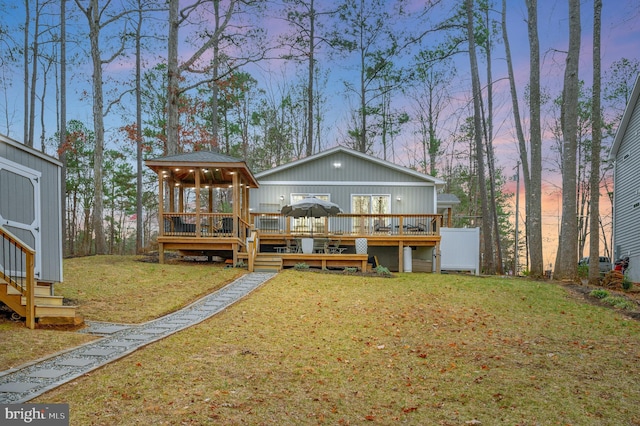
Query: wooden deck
pixel 271 239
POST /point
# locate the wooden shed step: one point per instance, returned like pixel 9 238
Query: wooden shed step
pixel 45 300
pixel 39 289
pixel 55 311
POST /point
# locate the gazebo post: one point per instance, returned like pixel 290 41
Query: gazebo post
pixel 198 222
pixel 161 215
pixel 236 213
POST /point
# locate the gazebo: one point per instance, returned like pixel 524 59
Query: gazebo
pixel 203 203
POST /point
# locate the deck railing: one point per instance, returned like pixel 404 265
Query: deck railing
pixel 17 265
pixel 212 225
pixel 349 224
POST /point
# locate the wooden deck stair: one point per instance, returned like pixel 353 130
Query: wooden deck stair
pixel 267 262
pixel 49 309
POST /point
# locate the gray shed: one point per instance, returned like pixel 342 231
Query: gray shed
pixel 30 204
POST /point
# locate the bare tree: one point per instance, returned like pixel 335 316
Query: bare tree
pixel 431 99
pixel 567 255
pixel 363 28
pixel 99 18
pixel 304 17
pixel 532 169
pixel 62 131
pixel 488 257
pixel 27 25
pixel 488 135
pixel 247 36
pixel 596 143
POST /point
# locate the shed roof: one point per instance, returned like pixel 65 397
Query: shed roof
pixel 32 151
pixel 626 119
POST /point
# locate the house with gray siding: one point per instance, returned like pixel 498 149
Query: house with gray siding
pixel 30 204
pixel 625 152
pixel 357 182
pixel 361 185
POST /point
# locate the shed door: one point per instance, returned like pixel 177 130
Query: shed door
pixel 20 205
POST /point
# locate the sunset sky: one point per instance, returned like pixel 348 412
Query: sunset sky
pixel 620 38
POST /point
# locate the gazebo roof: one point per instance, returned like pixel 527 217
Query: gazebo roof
pixel 215 168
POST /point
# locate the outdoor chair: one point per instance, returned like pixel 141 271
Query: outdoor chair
pixel 379 226
pixel 293 246
pixel 180 226
pixel 334 246
pixel 419 227
pixel 320 245
pixel 227 226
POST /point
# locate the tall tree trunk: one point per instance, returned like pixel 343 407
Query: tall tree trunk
pixel 98 126
pixel 139 188
pixel 362 139
pixel 62 132
pixel 488 264
pixel 533 199
pixel 25 47
pixel 524 157
pixel 596 142
pixel 173 77
pixel 215 92
pixel 567 255
pixel 310 100
pixel 34 75
pixel 490 153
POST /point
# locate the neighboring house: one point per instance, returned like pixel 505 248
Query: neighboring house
pixel 30 204
pixel 626 192
pixel 359 184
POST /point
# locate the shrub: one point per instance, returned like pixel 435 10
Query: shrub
pixel 301 266
pixel 351 270
pixel 599 293
pixel 583 271
pixel 382 270
pixel 241 264
pixel 626 282
pixel 620 302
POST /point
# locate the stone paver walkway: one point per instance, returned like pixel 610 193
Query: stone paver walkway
pixel 25 383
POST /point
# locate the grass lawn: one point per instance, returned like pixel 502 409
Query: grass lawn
pixel 417 349
pixel 118 289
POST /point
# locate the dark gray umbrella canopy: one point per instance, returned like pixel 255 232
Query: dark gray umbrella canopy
pixel 311 207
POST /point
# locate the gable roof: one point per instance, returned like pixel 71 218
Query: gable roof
pixel 626 119
pixel 198 157
pixel 340 149
pixel 205 159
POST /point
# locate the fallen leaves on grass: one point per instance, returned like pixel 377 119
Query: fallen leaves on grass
pixel 454 350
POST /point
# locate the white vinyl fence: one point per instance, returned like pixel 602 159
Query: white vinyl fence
pixel 460 249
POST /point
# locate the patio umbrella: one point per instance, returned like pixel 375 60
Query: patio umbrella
pixel 311 207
